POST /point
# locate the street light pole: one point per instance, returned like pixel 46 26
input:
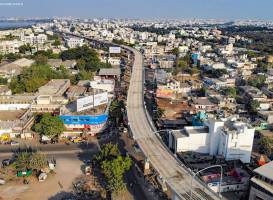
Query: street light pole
pixel 221 177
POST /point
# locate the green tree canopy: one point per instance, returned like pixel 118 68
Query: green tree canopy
pixel 113 166
pixel 25 48
pixel 114 170
pixel 49 54
pixel 12 56
pixel 57 41
pixel 115 110
pixel 231 92
pixel 41 59
pixel 175 51
pixel 30 160
pixel 34 77
pixel 84 75
pixel 108 152
pixel 254 106
pixel 257 81
pixel 51 126
pixel 87 58
pixel 265 146
pixel 3 81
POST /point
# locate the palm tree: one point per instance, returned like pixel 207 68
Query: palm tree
pixel 115 110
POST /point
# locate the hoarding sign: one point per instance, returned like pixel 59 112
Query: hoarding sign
pixel 164 93
pixel 114 50
pixel 100 99
pixel 85 103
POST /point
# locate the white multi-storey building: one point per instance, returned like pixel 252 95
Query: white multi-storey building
pixel 34 39
pixel 230 139
pixel 74 42
pixel 7 47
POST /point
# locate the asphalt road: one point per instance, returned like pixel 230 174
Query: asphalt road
pixel 63 150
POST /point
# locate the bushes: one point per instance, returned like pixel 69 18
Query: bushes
pixel 30 160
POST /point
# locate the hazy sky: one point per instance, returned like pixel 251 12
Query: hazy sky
pixel 174 9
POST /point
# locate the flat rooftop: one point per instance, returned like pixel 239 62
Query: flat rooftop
pixel 11 115
pixel 54 86
pixel 266 170
pixel 109 72
pixel 197 130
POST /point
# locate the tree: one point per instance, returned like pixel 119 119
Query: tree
pixel 108 152
pixel 12 56
pixel 51 126
pixel 254 106
pixel 84 75
pixel 1 57
pixel 231 92
pixel 25 48
pixel 30 160
pixel 115 110
pixel 193 70
pixel 48 54
pixel 203 91
pixel 265 146
pixel 218 73
pixel 3 81
pixel 57 41
pixel 87 58
pixel 257 81
pixel 80 64
pixel 72 29
pixel 41 59
pixel 114 170
pixel 22 162
pixel 160 112
pixel 182 64
pixel 113 166
pixel 38 161
pixel 175 51
pixel 261 67
pixel 251 54
pixel 34 77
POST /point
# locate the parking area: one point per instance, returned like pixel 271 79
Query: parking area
pixel 69 167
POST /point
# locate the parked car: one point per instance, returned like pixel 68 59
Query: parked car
pixel 13 143
pixel 6 162
pixel 2 182
pixel 43 142
pixel 76 140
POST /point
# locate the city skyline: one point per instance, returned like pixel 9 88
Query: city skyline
pixel 141 9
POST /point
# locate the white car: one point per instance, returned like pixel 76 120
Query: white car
pixel 13 143
pixel 2 182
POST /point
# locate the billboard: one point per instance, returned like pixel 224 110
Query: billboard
pixel 114 50
pixel 78 120
pixel 88 102
pixel 164 93
pixel 85 103
pixel 100 99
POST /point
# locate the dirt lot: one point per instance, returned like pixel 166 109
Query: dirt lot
pixel 68 168
pixel 172 110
